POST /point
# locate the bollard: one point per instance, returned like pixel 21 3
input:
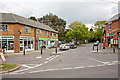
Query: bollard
pixel 97 48
pixel 56 49
pixel 41 50
pixel 93 47
pixel 114 50
pixel 24 51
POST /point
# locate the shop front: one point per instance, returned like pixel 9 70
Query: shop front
pixel 111 41
pixel 47 42
pixel 7 43
pixel 27 42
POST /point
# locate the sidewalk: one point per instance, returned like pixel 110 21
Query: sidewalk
pixel 107 50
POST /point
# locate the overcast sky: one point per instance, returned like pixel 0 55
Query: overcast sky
pixel 86 11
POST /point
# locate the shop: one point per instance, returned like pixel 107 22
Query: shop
pixel 27 42
pixel 111 41
pixel 7 43
pixel 46 42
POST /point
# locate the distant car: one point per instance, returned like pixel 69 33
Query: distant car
pixel 72 46
pixel 95 44
pixel 64 47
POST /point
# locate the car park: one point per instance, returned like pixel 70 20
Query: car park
pixel 64 47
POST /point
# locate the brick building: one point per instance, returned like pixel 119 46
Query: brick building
pixel 17 32
pixel 113 30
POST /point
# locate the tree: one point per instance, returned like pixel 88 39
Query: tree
pixel 78 31
pixel 99 29
pixel 56 23
pixel 32 18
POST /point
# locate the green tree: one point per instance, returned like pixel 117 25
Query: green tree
pixel 32 18
pixel 99 29
pixel 78 31
pixel 56 23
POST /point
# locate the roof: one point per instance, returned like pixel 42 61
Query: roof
pixel 13 18
pixel 116 17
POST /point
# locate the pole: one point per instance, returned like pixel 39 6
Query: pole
pixel 41 50
pixel 113 49
pixel 93 47
pixel 24 51
pixel 97 48
pixel 56 49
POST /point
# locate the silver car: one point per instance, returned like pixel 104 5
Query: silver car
pixel 64 47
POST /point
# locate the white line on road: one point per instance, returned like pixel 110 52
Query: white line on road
pixel 26 66
pixel 99 61
pixel 79 67
pixel 39 57
pixel 66 68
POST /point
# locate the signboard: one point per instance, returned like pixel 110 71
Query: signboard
pixel 3 57
pixel 23 37
pixel 7 37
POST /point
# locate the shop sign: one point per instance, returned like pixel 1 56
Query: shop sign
pixel 23 37
pixel 111 34
pixel 47 39
pixel 7 37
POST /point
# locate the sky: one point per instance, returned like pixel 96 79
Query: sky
pixel 85 11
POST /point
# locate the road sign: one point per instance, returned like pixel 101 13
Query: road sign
pixel 3 57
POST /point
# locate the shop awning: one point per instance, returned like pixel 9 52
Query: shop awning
pixel 48 39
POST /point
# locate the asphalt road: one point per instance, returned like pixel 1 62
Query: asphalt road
pixel 73 63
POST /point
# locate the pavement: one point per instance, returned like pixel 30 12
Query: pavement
pixel 73 63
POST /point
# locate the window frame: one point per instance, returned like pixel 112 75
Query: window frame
pixel 4 27
pixel 45 33
pixel 27 31
pixel 50 34
pixel 55 35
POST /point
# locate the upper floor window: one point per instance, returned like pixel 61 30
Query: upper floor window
pixel 55 34
pixel 38 31
pixel 3 27
pixel 45 33
pixel 51 34
pixel 27 29
pixel 109 26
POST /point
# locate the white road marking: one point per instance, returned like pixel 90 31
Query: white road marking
pixel 43 70
pixel 91 66
pixel 26 66
pixel 66 68
pixel 39 57
pixel 79 67
pixel 36 65
pixel 99 61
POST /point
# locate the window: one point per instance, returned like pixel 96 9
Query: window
pixel 38 31
pixel 51 34
pixel 27 29
pixel 45 33
pixel 3 27
pixel 55 34
pixel 109 26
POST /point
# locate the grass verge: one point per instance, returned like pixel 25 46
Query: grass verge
pixel 6 67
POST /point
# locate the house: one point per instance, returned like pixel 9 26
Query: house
pixel 17 33
pixel 113 30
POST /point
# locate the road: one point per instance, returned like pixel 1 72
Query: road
pixel 73 63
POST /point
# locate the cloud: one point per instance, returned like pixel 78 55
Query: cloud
pixel 86 11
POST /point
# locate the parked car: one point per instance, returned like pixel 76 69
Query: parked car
pixel 64 47
pixel 72 46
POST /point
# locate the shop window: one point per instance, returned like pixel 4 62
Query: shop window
pixel 109 27
pixel 10 45
pixel 55 34
pixel 51 34
pixel 27 29
pixel 45 33
pixel 39 31
pixel 3 27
